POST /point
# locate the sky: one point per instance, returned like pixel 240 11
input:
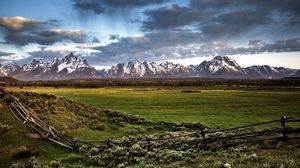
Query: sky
pixel 107 32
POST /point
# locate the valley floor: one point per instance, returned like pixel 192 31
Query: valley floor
pixel 214 108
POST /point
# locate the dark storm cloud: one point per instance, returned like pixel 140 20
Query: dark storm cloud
pixel 283 45
pixel 114 37
pixel 218 18
pixel 233 23
pixel 88 5
pixel 149 41
pixel 161 46
pixel 152 46
pixel 171 17
pixel 291 6
pixel 101 6
pixel 45 37
pixel 22 31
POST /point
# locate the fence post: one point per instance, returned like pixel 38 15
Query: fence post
pixel 202 132
pixel 148 143
pixel 108 141
pixel 282 120
pixel 198 138
pixel 73 142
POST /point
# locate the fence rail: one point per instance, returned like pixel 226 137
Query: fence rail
pixel 202 139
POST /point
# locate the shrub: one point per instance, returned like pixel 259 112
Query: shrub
pixel 23 152
pixel 72 158
pixel 33 163
pixel 8 99
pixel 96 124
pixel 4 128
pixel 17 165
pixel 54 164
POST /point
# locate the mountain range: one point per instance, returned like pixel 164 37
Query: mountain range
pixel 74 67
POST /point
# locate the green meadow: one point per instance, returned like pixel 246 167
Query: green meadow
pixel 214 108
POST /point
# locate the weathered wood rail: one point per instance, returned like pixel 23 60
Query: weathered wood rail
pixel 27 117
pixel 202 139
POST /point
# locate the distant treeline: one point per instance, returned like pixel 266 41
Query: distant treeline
pixel 99 83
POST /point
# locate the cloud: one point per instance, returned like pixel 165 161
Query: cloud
pixel 17 23
pixel 22 31
pixel 5 53
pixel 88 5
pixel 5 56
pixel 291 6
pixel 254 47
pixel 171 17
pixel 150 46
pixel 20 24
pixel 102 6
pixel 47 54
pixel 95 40
pixel 231 24
pixel 283 45
pixel 114 37
pixel 46 37
pixel 160 46
pixel 217 19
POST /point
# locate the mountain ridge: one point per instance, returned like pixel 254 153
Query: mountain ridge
pixel 74 67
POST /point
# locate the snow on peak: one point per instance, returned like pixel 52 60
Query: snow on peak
pixel 71 63
pixel 220 62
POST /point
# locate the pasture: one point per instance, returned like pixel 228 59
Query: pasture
pixel 214 108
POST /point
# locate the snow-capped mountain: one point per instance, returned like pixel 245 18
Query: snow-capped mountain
pixel 265 71
pixel 73 67
pixel 134 69
pixel 219 67
pixel 6 70
pixel 69 67
pixel 296 74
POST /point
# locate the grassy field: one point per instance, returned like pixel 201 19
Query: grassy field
pixel 215 108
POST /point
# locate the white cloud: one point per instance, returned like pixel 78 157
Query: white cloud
pixel 17 22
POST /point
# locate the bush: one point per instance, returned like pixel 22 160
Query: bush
pixel 8 99
pixel 17 165
pixel 54 164
pixel 4 128
pixel 23 152
pixel 33 163
pixel 72 158
pixel 96 124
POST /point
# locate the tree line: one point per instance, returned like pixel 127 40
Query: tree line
pixel 190 82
